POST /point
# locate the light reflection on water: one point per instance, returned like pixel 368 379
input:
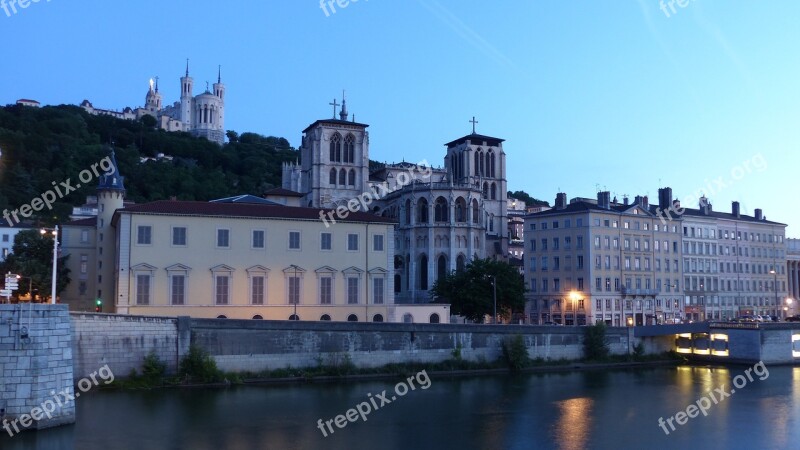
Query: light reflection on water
pixel 563 411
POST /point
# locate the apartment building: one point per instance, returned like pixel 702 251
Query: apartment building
pixel 600 260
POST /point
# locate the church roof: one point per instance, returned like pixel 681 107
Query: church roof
pixel 477 139
pixel 335 122
pixel 111 180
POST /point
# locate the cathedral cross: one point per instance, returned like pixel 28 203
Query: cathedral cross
pixel 473 122
pixel 334 104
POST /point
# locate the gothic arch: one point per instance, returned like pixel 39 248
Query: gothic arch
pixel 441 267
pixel 422 211
pixel 441 209
pixel 490 163
pixel 349 148
pixel 485 190
pixel 342 177
pixel 493 191
pixel 332 178
pixel 351 178
pixel 423 271
pixel 461 210
pixel 336 148
pixel 476 211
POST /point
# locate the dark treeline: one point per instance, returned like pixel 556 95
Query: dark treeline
pixel 52 144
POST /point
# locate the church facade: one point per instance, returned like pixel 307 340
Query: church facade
pixel 201 115
pixel 445 216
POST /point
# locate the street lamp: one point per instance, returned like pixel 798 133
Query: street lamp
pixel 787 308
pixel 295 300
pixel 55 261
pixel 574 296
pixel 494 296
pixel 775 285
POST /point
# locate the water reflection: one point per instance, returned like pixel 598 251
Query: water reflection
pixel 563 411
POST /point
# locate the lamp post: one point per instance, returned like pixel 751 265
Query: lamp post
pixel 787 307
pixel 775 285
pixel 295 301
pixel 55 262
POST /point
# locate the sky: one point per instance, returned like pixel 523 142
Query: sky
pixel 617 95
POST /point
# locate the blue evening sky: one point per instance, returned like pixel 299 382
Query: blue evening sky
pixel 611 94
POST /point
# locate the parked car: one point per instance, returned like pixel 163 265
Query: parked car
pixel 794 318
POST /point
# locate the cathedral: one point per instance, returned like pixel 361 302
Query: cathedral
pixel 445 216
pixel 201 115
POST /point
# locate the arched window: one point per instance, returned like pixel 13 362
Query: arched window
pixel 336 148
pixel 222 317
pixel 294 317
pixel 352 318
pixel 434 318
pixel 332 179
pixel 461 210
pixel 478 162
pixel 493 191
pixel 325 318
pixel 483 167
pixel 342 177
pixel 351 178
pixel 349 149
pixel 441 267
pixel 490 163
pixel 485 190
pixel 423 272
pixel 476 211
pixel 460 263
pixel 422 211
pixel 408 212
pixel 408 318
pixel 397 281
pixel 440 210
pixel 377 318
pixel 491 222
pixel 257 317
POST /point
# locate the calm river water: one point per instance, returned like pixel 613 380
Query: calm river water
pixel 609 409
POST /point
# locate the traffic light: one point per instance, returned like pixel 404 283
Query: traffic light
pixel 98 305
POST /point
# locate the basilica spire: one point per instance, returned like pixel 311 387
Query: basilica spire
pixel 343 113
pixel 187 67
pixel 219 74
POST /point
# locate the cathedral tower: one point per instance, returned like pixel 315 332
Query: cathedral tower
pixel 187 84
pixel 110 197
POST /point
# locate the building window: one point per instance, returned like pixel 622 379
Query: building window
pixel 352 242
pixel 177 293
pixel 143 289
pixel 222 289
pixel 223 237
pixel 325 242
pixel 84 236
pixel 293 290
pixel 144 234
pixel 84 263
pixel 352 290
pixel 179 236
pixel 377 243
pixel 378 290
pixel 257 289
pixel 294 240
pixel 258 239
pixel 326 290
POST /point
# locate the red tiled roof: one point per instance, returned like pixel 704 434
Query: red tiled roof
pixel 190 208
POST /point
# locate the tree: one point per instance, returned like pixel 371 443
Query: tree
pixel 32 256
pixel 525 197
pixel 469 292
pixel 148 121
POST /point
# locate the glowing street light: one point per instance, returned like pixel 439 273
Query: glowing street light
pixel 574 296
pixel 55 261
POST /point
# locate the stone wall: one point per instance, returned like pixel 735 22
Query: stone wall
pixel 35 366
pixel 254 346
pixel 122 342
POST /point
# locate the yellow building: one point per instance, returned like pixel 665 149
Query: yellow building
pixel 254 260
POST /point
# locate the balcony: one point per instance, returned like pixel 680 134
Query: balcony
pixel 642 292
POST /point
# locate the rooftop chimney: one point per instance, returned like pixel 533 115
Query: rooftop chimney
pixel 665 198
pixel 759 214
pixel 561 200
pixel 625 200
pixel 735 209
pixel 704 206
pixel 646 203
pixel 604 199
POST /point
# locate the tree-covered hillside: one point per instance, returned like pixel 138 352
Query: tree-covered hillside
pixel 46 146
